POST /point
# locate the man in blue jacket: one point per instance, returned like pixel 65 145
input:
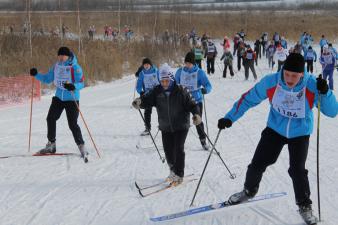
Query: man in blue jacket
pixel 147 80
pixel 292 93
pixel 196 81
pixel 67 76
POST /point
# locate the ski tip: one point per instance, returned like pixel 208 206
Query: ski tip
pixel 139 191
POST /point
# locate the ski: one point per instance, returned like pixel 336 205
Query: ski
pixel 39 154
pixel 156 184
pixel 168 186
pixel 211 207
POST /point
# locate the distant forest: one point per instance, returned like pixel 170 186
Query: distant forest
pixel 198 5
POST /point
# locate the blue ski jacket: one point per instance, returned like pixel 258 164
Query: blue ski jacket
pixel 147 80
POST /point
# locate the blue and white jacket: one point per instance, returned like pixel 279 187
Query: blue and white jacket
pixel 76 78
pixel 286 126
pixel 147 80
pixel 193 79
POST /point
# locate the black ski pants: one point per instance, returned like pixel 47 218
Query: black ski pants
pixel 266 154
pixel 147 117
pixel 280 64
pixel 309 65
pixel 225 70
pixel 210 65
pixel 200 127
pixel 54 113
pixel 173 145
pixel 199 63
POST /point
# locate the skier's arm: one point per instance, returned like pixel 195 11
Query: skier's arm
pixel 204 81
pixel 78 75
pixel 190 104
pixel 149 99
pixel 139 84
pixel 46 78
pixel 251 98
pixel 178 76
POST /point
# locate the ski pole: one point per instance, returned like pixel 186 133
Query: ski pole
pixel 232 175
pixel 78 108
pixel 30 117
pixel 205 115
pixel 318 125
pixel 151 136
pixel 205 166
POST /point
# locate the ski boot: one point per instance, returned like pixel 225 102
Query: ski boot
pixel 84 153
pixel 177 180
pixel 307 214
pixel 170 177
pixel 240 197
pixel 49 149
pixel 204 144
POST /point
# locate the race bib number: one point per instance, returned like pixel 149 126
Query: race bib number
pixel 62 75
pixel 327 59
pixel 189 81
pixel 150 81
pixel 289 104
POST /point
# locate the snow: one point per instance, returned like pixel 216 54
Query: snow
pixel 64 190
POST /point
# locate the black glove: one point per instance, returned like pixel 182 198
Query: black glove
pixel 69 86
pixel 204 91
pixel 33 72
pixel 322 85
pixel 224 123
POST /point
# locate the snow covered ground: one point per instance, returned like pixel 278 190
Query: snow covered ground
pixel 65 191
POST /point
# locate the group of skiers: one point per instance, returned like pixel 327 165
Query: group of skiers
pixel 175 95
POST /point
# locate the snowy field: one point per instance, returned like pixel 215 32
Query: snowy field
pixel 62 190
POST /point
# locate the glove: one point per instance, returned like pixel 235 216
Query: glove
pixel 142 93
pixel 69 86
pixel 204 91
pixel 224 123
pixel 136 103
pixel 322 85
pixel 196 120
pixel 33 72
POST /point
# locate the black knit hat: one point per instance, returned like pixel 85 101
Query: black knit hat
pixel 146 61
pixel 64 51
pixel 190 58
pixel 295 63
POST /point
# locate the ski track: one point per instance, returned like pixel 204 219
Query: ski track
pixel 65 191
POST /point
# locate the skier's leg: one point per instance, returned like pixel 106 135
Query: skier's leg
pixel 180 137
pixel 266 154
pixel 147 118
pixel 54 113
pixel 72 116
pixel 298 150
pixel 168 147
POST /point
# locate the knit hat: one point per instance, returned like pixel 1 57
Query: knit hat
pixel 166 72
pixel 190 58
pixel 146 61
pixel 295 63
pixel 64 51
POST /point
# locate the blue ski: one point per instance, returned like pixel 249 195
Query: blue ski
pixel 206 208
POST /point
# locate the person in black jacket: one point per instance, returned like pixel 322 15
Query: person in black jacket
pixel 173 104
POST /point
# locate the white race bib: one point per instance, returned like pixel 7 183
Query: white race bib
pixel 289 104
pixel 189 80
pixel 249 55
pixel 62 75
pixel 150 81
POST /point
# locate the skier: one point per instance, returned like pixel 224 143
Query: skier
pixel 197 50
pixel 197 82
pixel 309 57
pixel 323 41
pixel 249 58
pixel 147 80
pixel 284 43
pixel 236 44
pixel 264 41
pixel 68 78
pixel 210 54
pixel 173 104
pixel 257 47
pixel 280 56
pixel 240 53
pixel 270 52
pixel 328 62
pixel 228 58
pixel 290 124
